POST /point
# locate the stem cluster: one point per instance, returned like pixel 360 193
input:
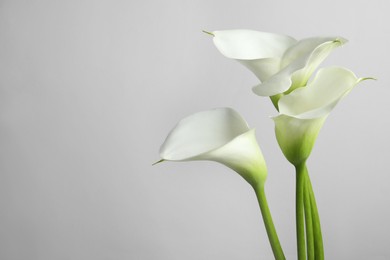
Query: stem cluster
pixel 309 235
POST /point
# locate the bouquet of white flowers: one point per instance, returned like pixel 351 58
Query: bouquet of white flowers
pixel 284 67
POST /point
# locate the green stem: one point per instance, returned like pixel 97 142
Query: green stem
pixel 308 220
pixel 299 211
pixel 269 225
pixel 318 242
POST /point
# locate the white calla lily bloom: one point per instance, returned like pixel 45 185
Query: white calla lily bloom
pixel 280 62
pixel 303 111
pixel 220 135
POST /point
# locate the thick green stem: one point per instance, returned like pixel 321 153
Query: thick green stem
pixel 299 211
pixel 308 220
pixel 269 225
pixel 318 243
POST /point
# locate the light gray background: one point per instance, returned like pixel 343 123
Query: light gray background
pixel 90 89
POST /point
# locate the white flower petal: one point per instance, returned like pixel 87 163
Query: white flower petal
pixel 296 137
pixel 314 48
pixel 297 65
pixel 251 45
pixel 260 52
pixel 219 135
pixel 201 133
pixel 243 155
pixel 321 95
pixel 276 84
pixel 262 68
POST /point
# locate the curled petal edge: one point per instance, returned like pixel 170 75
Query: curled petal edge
pixel 297 73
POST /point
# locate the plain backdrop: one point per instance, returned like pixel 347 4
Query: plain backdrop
pixel 90 89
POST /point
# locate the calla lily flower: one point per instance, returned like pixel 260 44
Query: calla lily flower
pixel 303 111
pixel 220 135
pixel 280 62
